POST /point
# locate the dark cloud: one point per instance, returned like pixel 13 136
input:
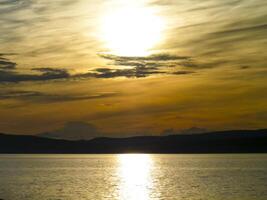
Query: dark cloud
pixel 52 73
pixel 136 72
pixel 58 74
pixel 141 66
pixel 6 64
pixel 153 57
pixel 17 94
pixel 183 72
pixel 9 74
pixel 7 54
pixel 245 67
pixel 45 75
pixel 193 64
pixel 155 60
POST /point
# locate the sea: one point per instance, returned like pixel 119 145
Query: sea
pixel 134 177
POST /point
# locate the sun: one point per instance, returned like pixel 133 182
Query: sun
pixel 131 30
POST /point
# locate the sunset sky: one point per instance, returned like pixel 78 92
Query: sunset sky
pixel 123 68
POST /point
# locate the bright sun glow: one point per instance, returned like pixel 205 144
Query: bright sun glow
pixel 131 30
pixel 135 172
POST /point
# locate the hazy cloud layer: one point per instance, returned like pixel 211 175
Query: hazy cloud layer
pixel 58 74
pixel 41 97
pixel 140 67
pixel 209 67
pixel 212 33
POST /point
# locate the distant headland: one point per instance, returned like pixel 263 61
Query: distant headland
pixel 236 141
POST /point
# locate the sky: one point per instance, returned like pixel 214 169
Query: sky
pixel 121 68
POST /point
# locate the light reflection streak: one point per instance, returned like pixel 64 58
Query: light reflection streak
pixel 135 176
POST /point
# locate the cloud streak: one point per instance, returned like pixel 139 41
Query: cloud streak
pixel 15 77
pixel 153 57
pixel 140 67
pixel 41 97
pixel 5 64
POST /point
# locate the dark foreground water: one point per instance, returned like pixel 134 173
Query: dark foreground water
pixel 133 177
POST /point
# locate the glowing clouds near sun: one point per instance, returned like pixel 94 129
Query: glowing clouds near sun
pixel 131 30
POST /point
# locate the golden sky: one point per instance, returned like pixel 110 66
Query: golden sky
pixel 122 68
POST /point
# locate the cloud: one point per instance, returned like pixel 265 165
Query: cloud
pixel 5 64
pixel 245 67
pixel 142 66
pixel 260 27
pixel 155 60
pixel 74 130
pixel 40 97
pixel 52 73
pixel 45 75
pixel 183 72
pixel 7 54
pixel 153 57
pixel 233 34
pixel 214 6
pixel 136 72
pixel 58 74
pixel 9 73
pixel 17 94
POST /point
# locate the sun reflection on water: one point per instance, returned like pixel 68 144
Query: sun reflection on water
pixel 135 176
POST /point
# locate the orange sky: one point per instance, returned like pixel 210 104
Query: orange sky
pixel 122 68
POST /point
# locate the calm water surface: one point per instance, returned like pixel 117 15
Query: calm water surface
pixel 133 177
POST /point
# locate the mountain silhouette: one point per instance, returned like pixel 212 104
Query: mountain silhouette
pixel 237 141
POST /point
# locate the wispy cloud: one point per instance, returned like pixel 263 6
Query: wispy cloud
pixel 136 72
pixel 45 75
pixel 41 97
pixel 140 67
pixel 5 64
pixel 211 66
pixel 153 57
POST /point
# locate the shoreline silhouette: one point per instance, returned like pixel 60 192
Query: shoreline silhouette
pixel 238 141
